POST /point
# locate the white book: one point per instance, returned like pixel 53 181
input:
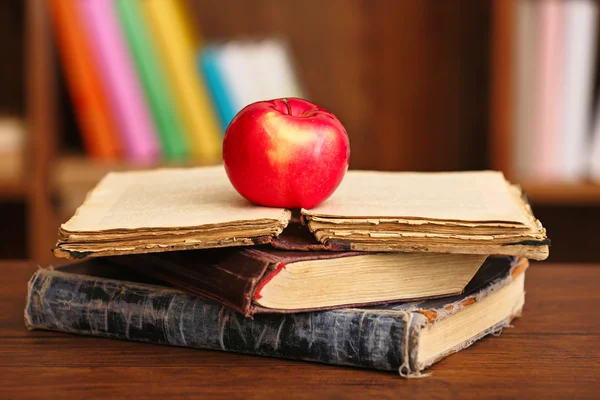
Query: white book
pixel 238 74
pixel 267 73
pixel 258 70
pixel 278 70
pixel 580 25
pixel 524 73
pixel 253 61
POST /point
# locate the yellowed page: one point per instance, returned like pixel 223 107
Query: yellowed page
pixel 458 196
pixel 166 199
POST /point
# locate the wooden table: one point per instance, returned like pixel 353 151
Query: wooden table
pixel 553 351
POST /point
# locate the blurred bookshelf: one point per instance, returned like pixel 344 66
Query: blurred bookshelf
pixel 563 194
pixel 14 189
pixel 413 82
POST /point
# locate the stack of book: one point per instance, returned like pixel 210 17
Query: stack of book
pixel 145 90
pixel 394 272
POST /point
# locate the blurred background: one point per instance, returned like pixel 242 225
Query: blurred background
pixel 423 85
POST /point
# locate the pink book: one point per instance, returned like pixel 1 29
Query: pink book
pixel 126 99
pixel 547 112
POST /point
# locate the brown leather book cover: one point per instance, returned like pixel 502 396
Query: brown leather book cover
pixel 237 277
pixel 232 277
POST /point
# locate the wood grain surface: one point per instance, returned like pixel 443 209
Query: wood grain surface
pixel 553 351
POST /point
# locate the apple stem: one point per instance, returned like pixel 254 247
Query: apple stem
pixel 285 100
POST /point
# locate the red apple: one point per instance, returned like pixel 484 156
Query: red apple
pixel 286 153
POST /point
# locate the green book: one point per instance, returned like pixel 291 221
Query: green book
pixel 159 98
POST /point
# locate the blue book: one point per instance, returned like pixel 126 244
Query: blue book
pixel 208 62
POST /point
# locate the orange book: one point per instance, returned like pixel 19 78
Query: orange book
pixel 90 104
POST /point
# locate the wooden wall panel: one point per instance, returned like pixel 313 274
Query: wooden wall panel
pixel 11 47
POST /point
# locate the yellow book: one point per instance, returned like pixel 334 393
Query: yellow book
pixel 174 39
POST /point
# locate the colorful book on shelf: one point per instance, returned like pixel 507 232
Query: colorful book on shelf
pixel 594 154
pixel 275 70
pixel 117 72
pixel 171 32
pixel 257 70
pixel 95 298
pixel 548 89
pixel 88 94
pixel 553 46
pixel 501 110
pixel 265 280
pixel 593 161
pixel 152 77
pixel 524 66
pixel 579 56
pixel 208 62
pixel 183 209
pixel 238 75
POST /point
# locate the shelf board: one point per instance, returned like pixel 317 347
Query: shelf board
pixel 78 169
pixel 76 174
pixel 566 194
pixel 13 189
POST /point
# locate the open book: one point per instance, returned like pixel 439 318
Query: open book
pixel 447 212
pixel 166 209
pixel 193 208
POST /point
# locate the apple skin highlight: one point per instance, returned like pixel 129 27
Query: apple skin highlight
pixel 286 153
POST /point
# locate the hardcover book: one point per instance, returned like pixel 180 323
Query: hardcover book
pixel 171 32
pixel 117 73
pixel 94 298
pixel 549 93
pixel 153 80
pixel 579 61
pixel 261 279
pixel 88 95
pixel 181 209
pixel 209 66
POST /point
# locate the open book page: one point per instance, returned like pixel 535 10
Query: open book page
pixel 167 199
pixel 455 196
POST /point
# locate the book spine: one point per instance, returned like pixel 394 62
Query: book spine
pixel 548 88
pixel 171 33
pixel 108 308
pixel 502 75
pixel 524 61
pixel 210 67
pixel 153 81
pixel 236 271
pixel 235 65
pixel 118 76
pixel 86 91
pixel 276 69
pixel 581 20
